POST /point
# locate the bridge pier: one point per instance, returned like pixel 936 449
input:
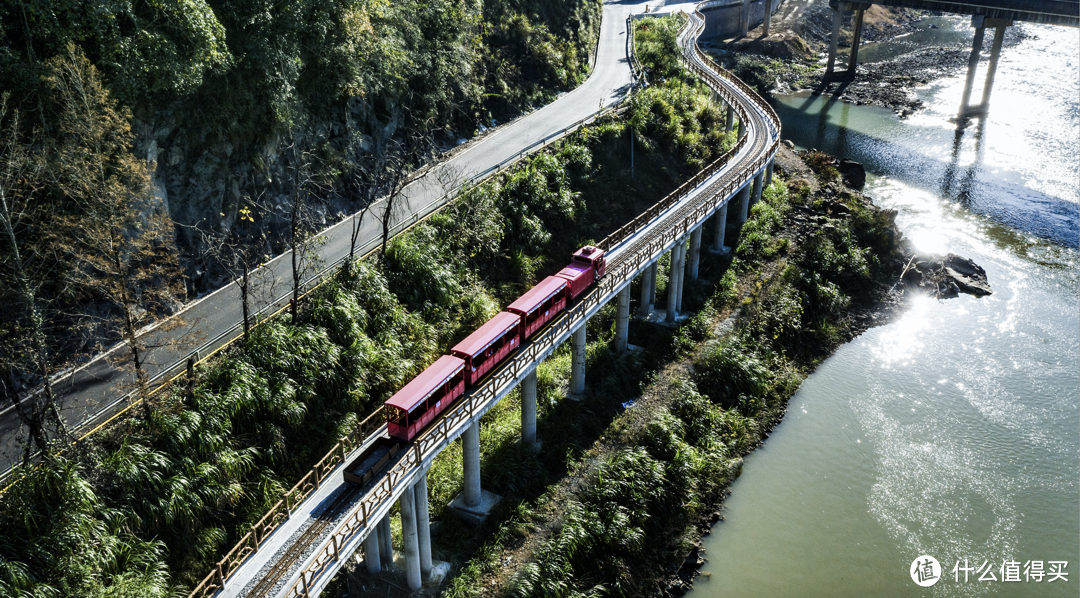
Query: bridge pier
pixel 386 543
pixel 973 61
pixel 648 289
pixel 757 188
pixel 674 274
pixel 695 252
pixel 768 17
pixel 980 23
pixel 528 411
pixel 473 504
pixel 407 506
pixel 721 229
pixel 838 16
pixel 470 464
pixel 622 319
pixel 682 277
pixel 744 19
pixel 743 205
pixel 371 551
pixel 742 129
pixel 423 526
pixel 768 173
pixel 730 124
pixel 856 37
pixel 577 365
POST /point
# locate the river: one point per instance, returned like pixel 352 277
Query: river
pixel 954 430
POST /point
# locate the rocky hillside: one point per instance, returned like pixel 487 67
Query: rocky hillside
pixel 235 101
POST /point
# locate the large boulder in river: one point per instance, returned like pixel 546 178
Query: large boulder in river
pixel 854 174
pixel 947 277
pixel 968 276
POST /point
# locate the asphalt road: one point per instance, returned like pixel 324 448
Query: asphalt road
pixel 96 390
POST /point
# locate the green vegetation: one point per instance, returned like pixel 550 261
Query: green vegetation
pixel 144 508
pixel 675 110
pixel 178 488
pixel 247 63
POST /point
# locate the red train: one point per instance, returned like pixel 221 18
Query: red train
pixel 420 401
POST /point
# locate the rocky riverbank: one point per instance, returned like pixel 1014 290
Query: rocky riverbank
pixel 793 58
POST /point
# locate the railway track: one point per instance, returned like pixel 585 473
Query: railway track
pixel 632 249
pixel 310 534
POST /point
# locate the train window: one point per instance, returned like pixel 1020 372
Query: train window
pixel 397 416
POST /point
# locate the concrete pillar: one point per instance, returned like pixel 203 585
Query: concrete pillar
pixel 407 505
pixel 470 464
pixel 721 226
pixel 652 285
pixel 646 292
pixel 838 16
pixel 973 62
pixel 682 276
pixel 768 173
pixel 528 410
pixel 371 550
pixel 423 526
pixel 757 188
pixel 673 282
pixel 853 59
pixel 695 252
pixel 744 18
pixel 743 203
pixel 995 53
pixel 768 16
pixel 622 319
pixel 742 129
pixel 577 367
pixel 386 543
pixel 730 118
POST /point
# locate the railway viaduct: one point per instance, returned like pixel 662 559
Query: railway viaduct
pixel 995 14
pixel 296 549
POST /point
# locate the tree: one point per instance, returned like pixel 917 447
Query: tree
pixel 302 241
pixel 118 239
pixel 239 255
pixel 27 344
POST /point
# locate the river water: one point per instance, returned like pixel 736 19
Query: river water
pixel 954 430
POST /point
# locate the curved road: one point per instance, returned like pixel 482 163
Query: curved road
pixel 96 390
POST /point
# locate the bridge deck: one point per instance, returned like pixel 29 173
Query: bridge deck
pixel 1052 12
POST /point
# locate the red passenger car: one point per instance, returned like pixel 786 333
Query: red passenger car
pixel 415 405
pixel 540 304
pixel 485 348
pixel 587 266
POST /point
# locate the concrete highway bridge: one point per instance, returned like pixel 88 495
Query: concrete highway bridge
pixel 995 14
pixel 297 548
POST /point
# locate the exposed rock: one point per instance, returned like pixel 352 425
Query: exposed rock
pixel 793 167
pixel 854 174
pixel 967 275
pixel 785 44
pixel 947 277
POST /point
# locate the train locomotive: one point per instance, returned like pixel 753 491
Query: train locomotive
pixel 421 401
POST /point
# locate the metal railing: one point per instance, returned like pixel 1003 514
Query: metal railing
pixel 628 262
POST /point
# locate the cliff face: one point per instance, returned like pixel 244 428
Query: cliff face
pixel 236 100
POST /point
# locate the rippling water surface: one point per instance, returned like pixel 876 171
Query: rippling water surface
pixel 954 430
